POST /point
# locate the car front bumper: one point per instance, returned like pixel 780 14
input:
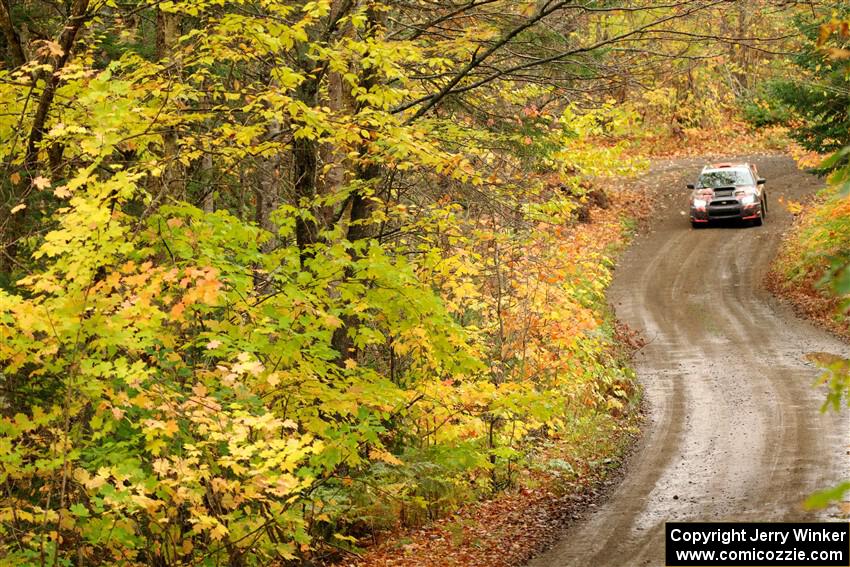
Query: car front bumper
pixel 726 211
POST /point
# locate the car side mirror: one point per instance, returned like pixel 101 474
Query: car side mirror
pixel 760 181
pixel 690 185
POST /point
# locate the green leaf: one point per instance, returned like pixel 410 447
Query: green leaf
pixel 79 510
pixel 823 498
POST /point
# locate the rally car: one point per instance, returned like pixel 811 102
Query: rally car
pixel 727 191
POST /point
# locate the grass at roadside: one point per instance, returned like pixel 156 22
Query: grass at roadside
pixel 818 244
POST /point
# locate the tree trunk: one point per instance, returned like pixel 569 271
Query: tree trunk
pixel 267 196
pixel 208 200
pixel 22 192
pixel 336 168
pixel 14 47
pixel 173 172
pixel 743 65
pixel 58 62
pixel 305 163
pixel 369 174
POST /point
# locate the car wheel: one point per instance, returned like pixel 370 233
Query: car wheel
pixel 760 220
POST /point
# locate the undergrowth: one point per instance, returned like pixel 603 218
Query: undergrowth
pixel 811 260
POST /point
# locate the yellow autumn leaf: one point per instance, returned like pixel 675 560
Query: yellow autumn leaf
pixel 41 182
pixel 54 48
pixel 793 207
pixel 381 455
pixel 143 501
pixel 218 532
pixel 839 53
pixel 171 427
pixel 62 192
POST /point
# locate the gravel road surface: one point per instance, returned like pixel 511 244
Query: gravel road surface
pixel 734 430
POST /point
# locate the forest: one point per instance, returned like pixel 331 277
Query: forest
pixel 277 276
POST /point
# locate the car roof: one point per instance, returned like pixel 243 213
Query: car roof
pixel 726 165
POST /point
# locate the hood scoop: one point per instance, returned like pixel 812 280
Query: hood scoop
pixel 724 191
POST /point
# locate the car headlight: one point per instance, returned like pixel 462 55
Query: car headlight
pixel 748 199
pixel 699 202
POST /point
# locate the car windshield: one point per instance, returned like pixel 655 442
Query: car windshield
pixel 724 178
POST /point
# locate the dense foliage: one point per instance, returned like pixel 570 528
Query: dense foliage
pixel 818 95
pixel 252 306
pixel 275 274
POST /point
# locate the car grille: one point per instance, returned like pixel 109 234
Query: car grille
pixel 718 211
pixel 722 203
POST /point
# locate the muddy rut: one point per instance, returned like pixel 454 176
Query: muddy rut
pixel 734 430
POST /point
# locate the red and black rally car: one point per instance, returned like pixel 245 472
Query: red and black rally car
pixel 728 191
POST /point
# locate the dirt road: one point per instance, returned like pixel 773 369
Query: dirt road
pixel 734 431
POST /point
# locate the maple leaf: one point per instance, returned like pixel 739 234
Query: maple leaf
pixel 218 532
pixel 839 53
pixel 62 192
pixel 54 48
pixel 41 182
pixel 171 427
pixel 177 310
